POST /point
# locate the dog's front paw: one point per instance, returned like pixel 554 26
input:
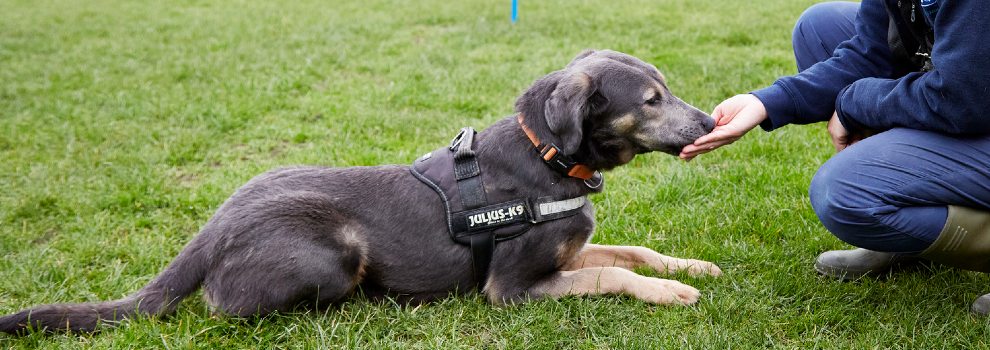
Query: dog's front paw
pixel 700 267
pixel 666 264
pixel 663 291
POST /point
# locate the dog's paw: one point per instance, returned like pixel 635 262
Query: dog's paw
pixel 699 267
pixel 663 291
pixel 691 266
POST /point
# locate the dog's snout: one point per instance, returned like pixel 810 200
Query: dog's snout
pixel 707 122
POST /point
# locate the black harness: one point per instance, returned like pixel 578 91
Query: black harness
pixel 454 173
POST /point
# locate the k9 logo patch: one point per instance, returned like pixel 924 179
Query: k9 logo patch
pixel 496 215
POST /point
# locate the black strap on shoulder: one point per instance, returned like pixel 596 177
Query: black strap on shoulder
pixel 467 172
pixel 470 219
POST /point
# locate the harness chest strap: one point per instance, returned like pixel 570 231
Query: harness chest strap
pixel 454 173
pixel 476 228
pixel 513 212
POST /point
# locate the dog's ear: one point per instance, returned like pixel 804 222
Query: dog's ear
pixel 570 103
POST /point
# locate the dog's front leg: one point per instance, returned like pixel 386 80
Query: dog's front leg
pixel 611 280
pixel 630 257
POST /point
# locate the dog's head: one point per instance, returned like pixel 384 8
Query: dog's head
pixel 605 107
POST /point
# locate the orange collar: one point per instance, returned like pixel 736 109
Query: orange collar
pixel 554 158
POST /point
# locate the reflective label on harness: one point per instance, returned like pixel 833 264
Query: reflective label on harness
pixel 492 216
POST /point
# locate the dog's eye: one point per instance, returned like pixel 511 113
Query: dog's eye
pixel 653 100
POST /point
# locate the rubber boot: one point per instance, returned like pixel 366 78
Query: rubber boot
pixel 847 265
pixel 964 243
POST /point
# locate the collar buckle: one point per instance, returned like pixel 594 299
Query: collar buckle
pixel 556 159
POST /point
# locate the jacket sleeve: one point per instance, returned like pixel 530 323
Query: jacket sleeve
pixel 953 98
pixel 810 96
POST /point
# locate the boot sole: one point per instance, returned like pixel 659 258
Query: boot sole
pixel 844 274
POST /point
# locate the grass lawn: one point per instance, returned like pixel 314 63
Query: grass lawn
pixel 125 124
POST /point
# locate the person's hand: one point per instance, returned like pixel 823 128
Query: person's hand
pixel 733 118
pixel 841 137
pixel 839 134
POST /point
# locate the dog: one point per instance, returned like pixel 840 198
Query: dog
pixel 312 236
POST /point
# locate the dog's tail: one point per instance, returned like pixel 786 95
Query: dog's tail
pixel 160 297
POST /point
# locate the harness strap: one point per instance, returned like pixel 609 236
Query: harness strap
pixel 467 173
pixel 471 220
pixel 467 170
pixel 482 250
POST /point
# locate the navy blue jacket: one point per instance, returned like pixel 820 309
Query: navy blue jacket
pixel 859 82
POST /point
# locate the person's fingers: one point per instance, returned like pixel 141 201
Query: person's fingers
pixel 721 136
pixel 733 118
pixel 714 136
pixel 689 154
pixel 720 116
pixel 842 144
pixel 691 151
pixel 710 137
pixel 725 111
pixel 839 143
pixel 839 135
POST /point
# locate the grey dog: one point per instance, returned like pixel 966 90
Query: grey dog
pixel 312 236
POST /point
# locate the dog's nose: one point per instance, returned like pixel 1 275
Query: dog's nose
pixel 707 121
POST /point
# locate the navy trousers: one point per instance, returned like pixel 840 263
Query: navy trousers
pixel 889 192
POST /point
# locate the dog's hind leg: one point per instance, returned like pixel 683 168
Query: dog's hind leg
pixel 630 257
pixel 307 256
pixel 601 280
pixel 281 275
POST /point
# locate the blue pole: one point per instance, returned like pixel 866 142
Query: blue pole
pixel 515 11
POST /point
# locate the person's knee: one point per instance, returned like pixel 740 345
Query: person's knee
pixel 822 15
pixel 841 206
pixel 815 15
pixel 823 201
pixel 877 195
pixel 817 32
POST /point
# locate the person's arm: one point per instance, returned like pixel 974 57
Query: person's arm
pixel 810 96
pixel 954 97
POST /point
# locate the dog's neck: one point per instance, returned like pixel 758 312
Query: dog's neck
pixel 555 158
pixel 595 155
pixel 506 151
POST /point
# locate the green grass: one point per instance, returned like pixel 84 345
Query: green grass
pixel 124 125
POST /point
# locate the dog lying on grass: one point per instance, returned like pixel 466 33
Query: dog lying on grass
pixel 513 221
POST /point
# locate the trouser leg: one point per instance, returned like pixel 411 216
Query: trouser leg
pixel 820 29
pixel 891 192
